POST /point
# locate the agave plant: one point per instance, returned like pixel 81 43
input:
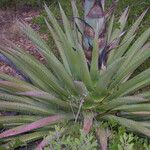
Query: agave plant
pixel 91 82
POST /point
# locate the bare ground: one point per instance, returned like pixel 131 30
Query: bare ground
pixel 9 30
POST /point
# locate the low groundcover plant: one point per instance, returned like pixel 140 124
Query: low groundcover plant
pixel 92 81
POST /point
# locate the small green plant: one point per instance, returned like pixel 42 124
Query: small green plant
pixel 92 81
pixel 83 141
pixel 126 142
pixel 120 140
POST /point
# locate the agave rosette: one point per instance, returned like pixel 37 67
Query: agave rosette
pixel 93 78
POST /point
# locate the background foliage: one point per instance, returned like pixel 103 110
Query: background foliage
pixel 136 8
pixel 18 3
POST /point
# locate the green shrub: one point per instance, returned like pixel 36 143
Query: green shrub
pixel 90 84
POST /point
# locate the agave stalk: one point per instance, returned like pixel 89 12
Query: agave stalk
pixel 91 83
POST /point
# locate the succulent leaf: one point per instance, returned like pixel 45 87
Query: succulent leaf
pixel 37 124
pixel 92 81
